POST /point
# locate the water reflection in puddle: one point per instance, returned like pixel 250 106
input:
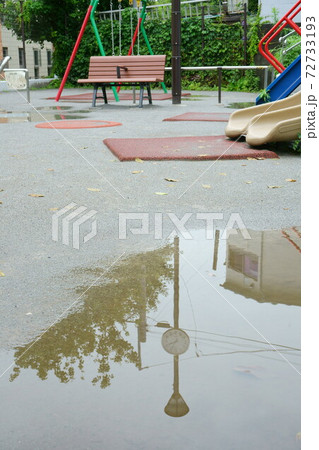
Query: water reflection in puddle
pixel 33 116
pixel 203 330
pixel 240 105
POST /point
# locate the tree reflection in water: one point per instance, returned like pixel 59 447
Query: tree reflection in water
pixel 99 328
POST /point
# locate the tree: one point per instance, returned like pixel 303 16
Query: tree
pixel 48 19
pixel 98 329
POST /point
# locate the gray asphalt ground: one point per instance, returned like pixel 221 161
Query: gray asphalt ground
pixel 65 166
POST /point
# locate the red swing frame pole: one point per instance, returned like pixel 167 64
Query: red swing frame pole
pixel 137 29
pixel 74 51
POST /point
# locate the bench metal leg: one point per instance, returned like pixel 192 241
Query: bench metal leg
pixel 104 94
pixel 95 92
pixel 95 88
pixel 149 94
pixel 140 105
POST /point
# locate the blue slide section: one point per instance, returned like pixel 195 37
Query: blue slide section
pixel 285 83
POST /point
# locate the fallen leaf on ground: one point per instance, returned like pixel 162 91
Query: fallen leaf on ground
pixel 274 187
pixel 248 182
pixel 36 195
pixel 1 190
pixel 137 171
pixel 50 170
pixel 223 173
pixel 250 158
pixel 2 274
pixel 94 189
pixel 260 157
pixel 29 314
pixel 291 180
pixel 53 209
pixel 161 193
pixel 171 180
pixel 139 160
pixel 206 186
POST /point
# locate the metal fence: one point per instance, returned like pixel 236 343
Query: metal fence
pixel 191 8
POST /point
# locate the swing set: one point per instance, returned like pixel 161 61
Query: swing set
pixel 141 14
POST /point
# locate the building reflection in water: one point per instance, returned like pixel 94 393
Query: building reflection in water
pixel 265 268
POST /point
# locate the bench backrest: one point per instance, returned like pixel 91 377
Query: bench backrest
pixel 137 66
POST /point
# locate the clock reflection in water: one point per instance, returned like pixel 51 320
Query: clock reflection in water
pixel 175 341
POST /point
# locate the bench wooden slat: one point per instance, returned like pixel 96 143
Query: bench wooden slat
pixel 144 58
pixel 120 80
pixel 142 70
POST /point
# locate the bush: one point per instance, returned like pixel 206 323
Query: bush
pixel 216 45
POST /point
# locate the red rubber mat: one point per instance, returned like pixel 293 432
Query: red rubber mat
pixel 194 148
pixel 87 97
pixel 76 124
pixel 199 117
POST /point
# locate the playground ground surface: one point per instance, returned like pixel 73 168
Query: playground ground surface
pixel 44 170
pixel 44 280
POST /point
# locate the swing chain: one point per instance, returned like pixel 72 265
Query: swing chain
pixel 120 27
pixel 112 28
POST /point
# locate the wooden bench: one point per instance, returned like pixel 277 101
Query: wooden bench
pixel 125 71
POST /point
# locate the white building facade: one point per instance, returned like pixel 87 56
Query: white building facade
pixel 38 58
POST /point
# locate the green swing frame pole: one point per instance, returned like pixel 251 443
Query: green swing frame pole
pixel 143 16
pixel 98 39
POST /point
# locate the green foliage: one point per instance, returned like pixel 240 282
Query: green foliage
pixel 212 45
pixel 296 144
pixel 264 95
pixel 253 35
pixel 275 16
pixel 292 54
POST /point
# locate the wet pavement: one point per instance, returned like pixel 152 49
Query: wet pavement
pixel 229 379
pixel 84 360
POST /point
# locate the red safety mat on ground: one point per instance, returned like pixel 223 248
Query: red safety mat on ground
pixel 193 148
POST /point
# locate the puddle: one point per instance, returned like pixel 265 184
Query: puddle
pixel 191 99
pixel 241 105
pixel 206 331
pixel 54 108
pixel 33 116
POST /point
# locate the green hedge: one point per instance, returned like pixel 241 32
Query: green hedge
pixel 216 44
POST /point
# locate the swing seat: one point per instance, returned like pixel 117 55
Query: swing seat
pixel 108 71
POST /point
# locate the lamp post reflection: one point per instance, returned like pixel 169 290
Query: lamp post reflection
pixel 176 342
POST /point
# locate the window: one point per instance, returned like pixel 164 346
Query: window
pixel 49 61
pixel 37 62
pixel 21 59
pixel 245 263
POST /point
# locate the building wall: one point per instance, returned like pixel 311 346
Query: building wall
pixel 283 7
pixel 37 59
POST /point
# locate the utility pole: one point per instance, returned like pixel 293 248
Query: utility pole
pixel 23 35
pixel 176 52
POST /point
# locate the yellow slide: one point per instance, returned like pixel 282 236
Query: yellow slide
pixel 270 122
